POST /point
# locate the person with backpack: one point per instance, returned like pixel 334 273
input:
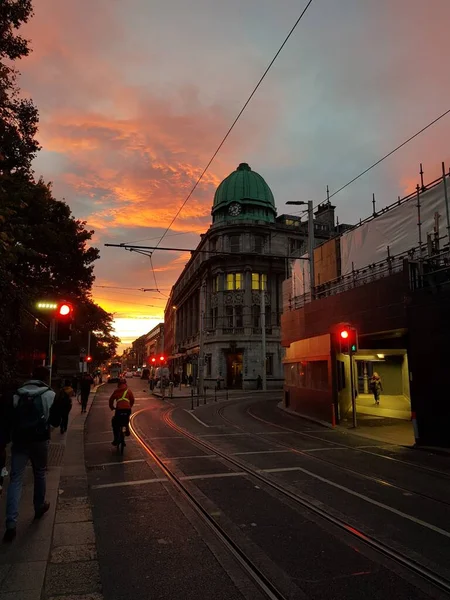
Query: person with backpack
pixel 63 404
pixel 29 423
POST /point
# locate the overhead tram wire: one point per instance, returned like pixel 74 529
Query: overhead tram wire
pixel 234 123
pixel 383 158
pixel 151 249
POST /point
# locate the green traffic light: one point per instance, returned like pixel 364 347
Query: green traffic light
pixel 353 347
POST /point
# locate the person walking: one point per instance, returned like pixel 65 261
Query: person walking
pixel 29 419
pixel 63 404
pixel 85 390
pixel 376 387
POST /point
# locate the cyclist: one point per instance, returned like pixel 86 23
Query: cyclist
pixel 121 401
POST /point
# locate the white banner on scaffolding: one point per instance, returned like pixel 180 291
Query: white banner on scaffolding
pixel 300 277
pixel 396 228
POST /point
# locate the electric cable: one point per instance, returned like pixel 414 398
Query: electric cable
pixel 234 122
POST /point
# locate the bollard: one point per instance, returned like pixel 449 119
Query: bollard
pixel 204 395
pixel 192 399
pixel 198 396
pixel 215 394
pixel 226 389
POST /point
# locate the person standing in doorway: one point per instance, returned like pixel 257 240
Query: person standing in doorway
pixel 85 390
pixel 376 387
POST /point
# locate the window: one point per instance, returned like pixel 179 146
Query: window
pixel 259 281
pixel 269 364
pixel 295 244
pixel 213 245
pixel 235 281
pixel 256 316
pixel 228 316
pixel 259 244
pixel 239 320
pixel 235 243
pixel 214 315
pixel 208 365
pixel 216 281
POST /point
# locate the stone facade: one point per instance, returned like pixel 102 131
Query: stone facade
pixel 214 309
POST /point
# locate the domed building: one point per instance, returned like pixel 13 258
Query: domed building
pixel 222 319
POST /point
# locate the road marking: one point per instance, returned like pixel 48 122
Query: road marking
pixel 189 412
pixel 165 480
pixel 123 462
pixel 167 459
pixel 262 452
pixel 104 486
pixel 222 434
pixel 328 448
pixel 213 475
pixel 129 441
pixel 272 432
pixel 363 497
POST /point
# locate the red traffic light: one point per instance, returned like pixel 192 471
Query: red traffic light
pixel 161 358
pixel 344 334
pixel 153 359
pixel 64 309
pixel 88 358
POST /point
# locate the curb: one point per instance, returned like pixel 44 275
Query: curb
pixel 72 569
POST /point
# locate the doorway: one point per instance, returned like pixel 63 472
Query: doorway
pixel 234 370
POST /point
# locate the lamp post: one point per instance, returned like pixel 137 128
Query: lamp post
pixel 310 239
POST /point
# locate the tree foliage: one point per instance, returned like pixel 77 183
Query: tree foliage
pixel 44 251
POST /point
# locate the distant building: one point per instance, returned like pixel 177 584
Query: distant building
pixel 154 343
pixel 213 318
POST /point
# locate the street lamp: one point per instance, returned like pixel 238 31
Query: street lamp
pixel 310 239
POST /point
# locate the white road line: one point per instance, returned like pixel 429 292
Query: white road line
pixel 222 434
pixel 104 486
pixel 129 441
pixel 196 418
pixel 164 480
pixel 122 462
pixel 168 459
pixel 262 452
pixel 363 497
pixel 320 449
pixel 213 475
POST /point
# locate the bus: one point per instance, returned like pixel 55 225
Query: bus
pixel 114 371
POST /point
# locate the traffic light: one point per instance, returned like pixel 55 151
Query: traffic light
pixel 161 358
pixel 64 319
pixel 153 360
pixel 348 340
pixel 88 358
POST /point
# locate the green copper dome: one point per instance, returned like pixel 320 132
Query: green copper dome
pixel 247 189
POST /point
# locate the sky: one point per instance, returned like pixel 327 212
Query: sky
pixel 135 95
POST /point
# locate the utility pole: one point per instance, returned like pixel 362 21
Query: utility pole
pixel 88 349
pixel 263 335
pixel 51 341
pixel 201 358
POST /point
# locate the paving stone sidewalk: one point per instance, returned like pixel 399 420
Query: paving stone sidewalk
pixel 55 558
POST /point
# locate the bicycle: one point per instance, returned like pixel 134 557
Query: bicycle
pixel 122 431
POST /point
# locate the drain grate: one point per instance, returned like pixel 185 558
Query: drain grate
pixel 55 455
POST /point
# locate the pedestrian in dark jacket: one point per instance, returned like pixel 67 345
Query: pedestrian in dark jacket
pixel 63 404
pixel 30 419
pixel 85 390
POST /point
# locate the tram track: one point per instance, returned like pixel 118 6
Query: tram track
pixel 426 574
pixel 437 472
pixel 259 579
pixel 343 468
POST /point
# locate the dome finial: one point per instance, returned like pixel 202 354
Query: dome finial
pixel 243 167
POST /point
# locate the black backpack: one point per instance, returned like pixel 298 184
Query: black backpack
pixel 30 422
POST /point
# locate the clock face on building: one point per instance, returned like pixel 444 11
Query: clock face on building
pixel 235 209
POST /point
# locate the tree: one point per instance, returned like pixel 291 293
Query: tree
pixel 18 116
pixel 44 250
